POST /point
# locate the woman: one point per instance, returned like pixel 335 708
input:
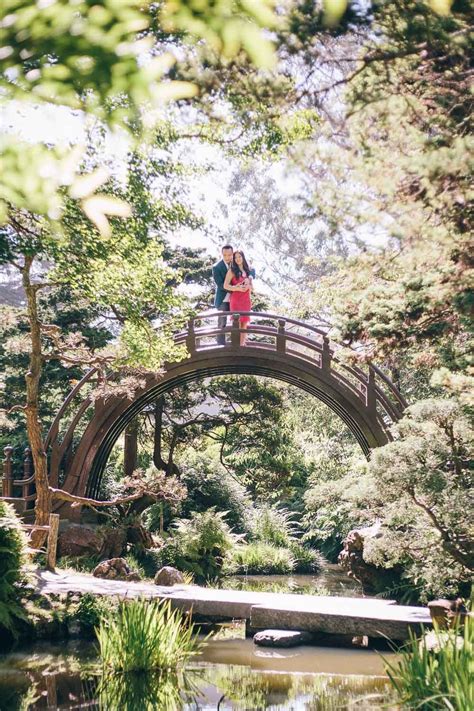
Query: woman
pixel 239 282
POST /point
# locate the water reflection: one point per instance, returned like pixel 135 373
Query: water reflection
pixel 332 580
pixel 71 679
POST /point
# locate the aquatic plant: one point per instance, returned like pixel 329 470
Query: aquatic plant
pixel 439 678
pixel 145 635
pixel 307 560
pixel 261 558
pixel 13 556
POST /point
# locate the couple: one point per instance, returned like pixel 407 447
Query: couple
pixel 233 278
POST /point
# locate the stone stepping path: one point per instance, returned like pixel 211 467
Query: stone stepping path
pixel 331 615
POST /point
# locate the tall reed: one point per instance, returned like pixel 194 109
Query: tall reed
pixel 437 679
pixel 145 635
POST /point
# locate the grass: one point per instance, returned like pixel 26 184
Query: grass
pixel 435 680
pixel 144 635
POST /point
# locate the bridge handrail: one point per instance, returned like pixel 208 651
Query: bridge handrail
pixel 260 314
pixel 265 315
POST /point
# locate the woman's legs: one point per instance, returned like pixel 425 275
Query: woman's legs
pixel 243 336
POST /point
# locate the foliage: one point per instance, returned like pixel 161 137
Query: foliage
pixel 404 292
pixel 423 479
pixel 72 316
pixel 144 635
pixel 274 526
pixel 209 484
pixel 112 67
pixel 13 557
pixel 258 558
pixel 307 560
pixel 200 544
pixel 244 418
pixel 436 679
pixel 90 611
pixel 81 564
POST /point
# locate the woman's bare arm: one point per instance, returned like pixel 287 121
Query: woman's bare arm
pixel 227 280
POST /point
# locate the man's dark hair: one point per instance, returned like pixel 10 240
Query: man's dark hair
pixel 227 246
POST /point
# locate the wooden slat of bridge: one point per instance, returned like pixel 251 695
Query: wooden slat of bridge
pixel 331 615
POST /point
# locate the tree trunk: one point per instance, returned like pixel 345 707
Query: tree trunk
pixel 130 447
pixel 33 423
pixel 158 460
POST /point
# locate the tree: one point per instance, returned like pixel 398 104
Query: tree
pixel 240 421
pixel 123 275
pixel 424 479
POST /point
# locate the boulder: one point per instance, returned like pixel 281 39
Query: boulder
pixel 281 638
pixel 435 641
pixel 372 578
pixel 79 540
pixel 115 569
pixel 168 576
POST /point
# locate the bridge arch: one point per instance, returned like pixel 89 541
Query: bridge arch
pixel 84 432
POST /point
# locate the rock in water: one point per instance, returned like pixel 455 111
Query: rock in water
pixel 115 569
pixel 281 638
pixel 446 613
pixel 168 576
pixel 372 578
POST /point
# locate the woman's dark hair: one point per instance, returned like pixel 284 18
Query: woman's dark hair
pixel 236 269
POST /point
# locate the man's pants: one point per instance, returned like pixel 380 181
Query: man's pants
pixel 222 322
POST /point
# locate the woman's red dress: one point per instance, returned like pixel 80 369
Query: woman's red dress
pixel 240 300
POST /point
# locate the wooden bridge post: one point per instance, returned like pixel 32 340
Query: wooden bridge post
pixel 27 471
pixel 7 478
pixel 326 355
pixel 235 334
pixel 281 338
pixel 52 544
pixel 191 337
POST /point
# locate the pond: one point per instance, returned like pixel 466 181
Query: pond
pixel 331 580
pixel 231 673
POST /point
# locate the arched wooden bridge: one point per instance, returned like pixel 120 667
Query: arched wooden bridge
pixel 85 430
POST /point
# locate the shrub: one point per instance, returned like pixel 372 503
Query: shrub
pixel 436 679
pixel 13 556
pixel 90 611
pixel 307 560
pixel 200 544
pixel 274 526
pixel 258 558
pixel 144 635
pixel 209 484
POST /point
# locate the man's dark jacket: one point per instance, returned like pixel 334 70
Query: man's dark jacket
pixel 219 273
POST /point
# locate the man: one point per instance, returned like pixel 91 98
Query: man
pixel 222 297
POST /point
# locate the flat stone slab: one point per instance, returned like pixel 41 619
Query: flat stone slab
pixel 330 616
pixel 281 611
pixel 281 638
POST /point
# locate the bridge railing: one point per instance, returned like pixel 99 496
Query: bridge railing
pixel 307 342
pixel 15 488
